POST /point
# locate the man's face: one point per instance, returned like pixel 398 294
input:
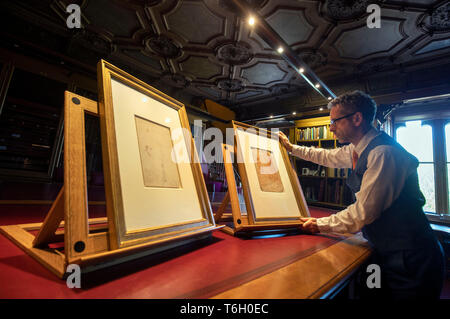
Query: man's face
pixel 343 128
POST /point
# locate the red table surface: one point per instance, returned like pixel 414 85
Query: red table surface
pixel 198 270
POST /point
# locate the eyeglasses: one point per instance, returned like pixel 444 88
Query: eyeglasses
pixel 332 121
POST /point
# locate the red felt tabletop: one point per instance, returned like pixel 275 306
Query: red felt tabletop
pixel 198 270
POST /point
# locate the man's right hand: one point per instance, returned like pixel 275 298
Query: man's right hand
pixel 309 225
pixel 285 141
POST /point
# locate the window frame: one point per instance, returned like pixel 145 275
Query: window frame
pixel 437 115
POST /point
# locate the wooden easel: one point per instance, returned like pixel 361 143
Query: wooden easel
pixel 86 241
pixel 245 223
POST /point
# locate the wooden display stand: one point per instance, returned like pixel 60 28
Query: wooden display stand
pixel 246 223
pixel 86 241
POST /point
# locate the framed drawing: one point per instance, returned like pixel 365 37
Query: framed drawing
pixel 153 183
pixel 86 241
pixel 272 192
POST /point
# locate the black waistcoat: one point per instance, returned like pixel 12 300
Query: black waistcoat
pixel 403 225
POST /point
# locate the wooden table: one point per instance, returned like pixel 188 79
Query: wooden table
pixel 286 267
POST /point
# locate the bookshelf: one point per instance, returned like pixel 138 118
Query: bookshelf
pixel 322 186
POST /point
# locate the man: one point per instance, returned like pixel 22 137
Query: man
pixel 388 202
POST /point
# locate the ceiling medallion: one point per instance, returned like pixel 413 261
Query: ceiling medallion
pixel 230 85
pixel 235 54
pixel 440 18
pixel 176 80
pixel 313 59
pixel 279 89
pixel 347 9
pixel 92 40
pixel 436 22
pixel 375 65
pixel 163 46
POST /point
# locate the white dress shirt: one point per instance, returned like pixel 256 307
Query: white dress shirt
pixel 387 169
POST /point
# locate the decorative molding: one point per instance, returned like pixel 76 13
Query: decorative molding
pixel 176 80
pixel 235 53
pixel 312 58
pixel 375 65
pixel 203 48
pixel 345 10
pixel 440 18
pixel 93 40
pixel 163 46
pixel 436 22
pixel 230 85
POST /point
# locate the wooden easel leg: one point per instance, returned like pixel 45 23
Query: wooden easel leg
pixel 233 197
pixel 51 222
pixel 222 207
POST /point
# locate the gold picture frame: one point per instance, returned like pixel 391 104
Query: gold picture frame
pixel 278 192
pixel 139 213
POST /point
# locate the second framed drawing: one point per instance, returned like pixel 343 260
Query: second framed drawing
pixel 153 182
pixel 273 195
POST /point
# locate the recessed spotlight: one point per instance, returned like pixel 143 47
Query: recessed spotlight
pixel 329 98
pixel 293 113
pixel 280 50
pixel 251 21
pixel 271 116
pixel 321 109
pixel 317 85
pixel 302 70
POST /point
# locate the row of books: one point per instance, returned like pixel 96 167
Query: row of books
pixel 314 133
pixel 336 192
pixel 325 171
pixel 338 172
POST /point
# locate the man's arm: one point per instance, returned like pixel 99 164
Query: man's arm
pixel 339 157
pixel 387 170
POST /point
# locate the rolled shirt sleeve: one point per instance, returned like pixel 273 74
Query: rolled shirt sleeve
pixel 387 170
pixel 337 158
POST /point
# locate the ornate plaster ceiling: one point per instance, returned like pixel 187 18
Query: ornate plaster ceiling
pixel 205 48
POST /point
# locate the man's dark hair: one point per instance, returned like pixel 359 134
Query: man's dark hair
pixel 356 101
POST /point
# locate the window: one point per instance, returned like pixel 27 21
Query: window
pixel 417 139
pixel 426 135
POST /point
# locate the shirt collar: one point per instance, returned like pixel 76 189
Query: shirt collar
pixel 369 136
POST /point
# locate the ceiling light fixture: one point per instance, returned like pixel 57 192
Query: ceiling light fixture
pixel 251 21
pixel 265 31
pixel 293 113
pixel 321 109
